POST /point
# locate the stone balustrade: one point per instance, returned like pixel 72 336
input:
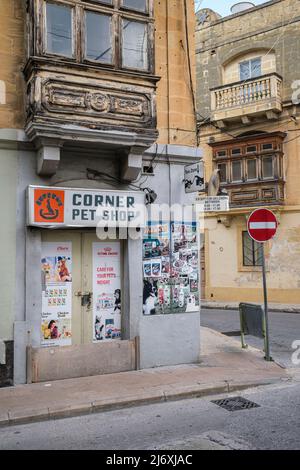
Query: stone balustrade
pixel 249 97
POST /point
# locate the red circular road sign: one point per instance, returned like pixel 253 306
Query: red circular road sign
pixel 262 225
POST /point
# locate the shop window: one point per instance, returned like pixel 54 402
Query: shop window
pixel 267 167
pixel 250 69
pixel 252 251
pixel 223 172
pixel 59 29
pixel 237 171
pixel 98 37
pixel 252 169
pixel 134 45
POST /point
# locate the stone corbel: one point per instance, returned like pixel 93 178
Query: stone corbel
pixel 226 220
pixel 132 164
pixel 48 156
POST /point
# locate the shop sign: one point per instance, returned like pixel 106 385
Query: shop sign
pixel 71 207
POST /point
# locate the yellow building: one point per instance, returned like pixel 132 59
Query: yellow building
pixel 249 125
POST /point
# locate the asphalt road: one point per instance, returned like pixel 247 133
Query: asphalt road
pixel 284 329
pixel 182 425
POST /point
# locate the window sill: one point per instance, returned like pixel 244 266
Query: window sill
pixel 250 269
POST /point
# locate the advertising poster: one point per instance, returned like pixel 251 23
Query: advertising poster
pixel 56 322
pixel 170 264
pixel 107 291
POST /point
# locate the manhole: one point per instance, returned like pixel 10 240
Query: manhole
pixel 236 403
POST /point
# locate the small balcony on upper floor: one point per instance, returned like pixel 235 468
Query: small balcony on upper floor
pixel 243 101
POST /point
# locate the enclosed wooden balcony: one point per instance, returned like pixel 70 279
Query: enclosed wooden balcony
pixel 245 100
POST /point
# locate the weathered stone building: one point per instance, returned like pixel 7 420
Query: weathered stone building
pixel 96 104
pixel 248 71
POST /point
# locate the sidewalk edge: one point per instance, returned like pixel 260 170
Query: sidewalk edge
pixel 11 419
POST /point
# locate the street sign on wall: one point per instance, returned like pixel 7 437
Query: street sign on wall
pixel 262 225
pixel 194 177
pixel 212 204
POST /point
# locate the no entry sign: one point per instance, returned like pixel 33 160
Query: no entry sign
pixel 262 225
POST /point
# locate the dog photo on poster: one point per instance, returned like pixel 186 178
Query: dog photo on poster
pixel 170 268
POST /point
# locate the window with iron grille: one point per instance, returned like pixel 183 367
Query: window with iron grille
pixel 252 251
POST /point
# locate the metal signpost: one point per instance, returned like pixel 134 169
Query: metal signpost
pixel 262 226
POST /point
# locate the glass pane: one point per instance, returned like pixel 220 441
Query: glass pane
pixel 244 70
pixel 258 253
pixel 139 5
pixel 98 37
pixel 267 164
pixel 267 146
pixel 135 45
pixel 256 67
pixel 250 69
pixel 59 29
pixel 223 172
pixel 251 169
pixel 252 251
pixel 247 250
pixel 236 171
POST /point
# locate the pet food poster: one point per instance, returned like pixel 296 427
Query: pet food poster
pixel 170 268
pixel 106 291
pixel 56 321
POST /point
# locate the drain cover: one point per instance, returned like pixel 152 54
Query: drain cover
pixel 236 403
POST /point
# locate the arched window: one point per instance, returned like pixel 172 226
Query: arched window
pixel 250 64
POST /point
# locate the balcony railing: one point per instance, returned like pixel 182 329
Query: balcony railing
pixel 254 96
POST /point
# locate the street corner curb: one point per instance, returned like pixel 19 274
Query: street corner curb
pixel 196 391
pixel 128 401
pixel 236 386
pixel 16 417
pixel 4 419
pixel 68 411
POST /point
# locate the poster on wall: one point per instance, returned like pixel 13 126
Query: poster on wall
pixel 106 291
pixel 171 271
pixel 56 321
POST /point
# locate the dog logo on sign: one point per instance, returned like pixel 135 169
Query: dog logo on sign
pixel 49 206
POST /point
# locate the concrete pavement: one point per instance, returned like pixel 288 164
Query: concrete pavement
pixel 284 330
pixel 273 307
pixel 224 368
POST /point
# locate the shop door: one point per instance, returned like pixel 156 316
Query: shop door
pixel 93 285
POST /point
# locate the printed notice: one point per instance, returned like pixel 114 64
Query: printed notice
pixel 56 322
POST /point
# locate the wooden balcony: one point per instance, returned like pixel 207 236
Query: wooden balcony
pixel 91 109
pixel 243 101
